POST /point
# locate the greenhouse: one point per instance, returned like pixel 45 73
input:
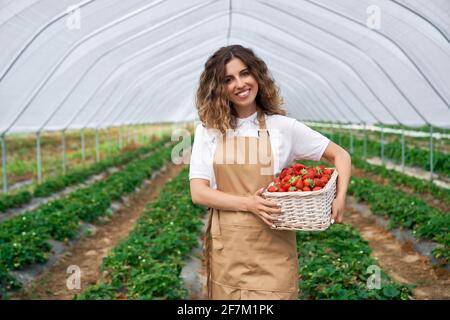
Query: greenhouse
pixel 105 104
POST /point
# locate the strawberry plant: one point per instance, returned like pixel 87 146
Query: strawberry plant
pixel 55 184
pixel 404 211
pixel 334 265
pixel 147 265
pixel 414 157
pixel 398 178
pixel 7 283
pixel 23 239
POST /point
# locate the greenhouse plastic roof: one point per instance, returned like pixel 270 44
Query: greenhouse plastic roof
pixel 97 63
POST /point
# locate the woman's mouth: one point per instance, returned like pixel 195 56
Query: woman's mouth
pixel 243 94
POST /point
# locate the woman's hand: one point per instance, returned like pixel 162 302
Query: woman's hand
pixel 266 210
pixel 338 208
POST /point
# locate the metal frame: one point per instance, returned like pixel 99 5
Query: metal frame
pixel 327 91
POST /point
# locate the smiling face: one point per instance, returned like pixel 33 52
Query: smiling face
pixel 241 86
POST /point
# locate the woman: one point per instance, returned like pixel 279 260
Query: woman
pixel 240 110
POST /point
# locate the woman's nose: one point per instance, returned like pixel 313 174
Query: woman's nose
pixel 239 83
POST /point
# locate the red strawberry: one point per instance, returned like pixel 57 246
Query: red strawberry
pixel 309 183
pixel 276 180
pixel 299 166
pixel 306 189
pixel 327 171
pixel 272 189
pixel 317 188
pixel 294 180
pixel 303 171
pixel 285 172
pixel 292 188
pixel 310 175
pixel 285 185
pixel 318 172
pixel 286 178
pixel 299 184
pixel 318 182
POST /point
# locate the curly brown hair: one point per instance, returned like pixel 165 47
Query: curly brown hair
pixel 215 110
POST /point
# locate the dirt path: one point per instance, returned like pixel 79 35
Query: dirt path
pixel 400 261
pixel 89 252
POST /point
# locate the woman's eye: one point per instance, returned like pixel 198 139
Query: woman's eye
pixel 245 73
pixel 227 80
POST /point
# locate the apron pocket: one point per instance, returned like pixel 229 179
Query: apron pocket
pixel 217 243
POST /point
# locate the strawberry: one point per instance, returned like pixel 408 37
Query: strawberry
pixel 306 189
pixel 303 172
pixel 310 175
pixel 299 184
pixel 272 189
pixel 327 171
pixel 309 183
pixel 317 188
pixel 285 172
pixel 292 188
pixel 318 171
pixel 276 180
pixel 298 167
pixel 285 185
pixel 294 180
pixel 318 182
pixel 286 178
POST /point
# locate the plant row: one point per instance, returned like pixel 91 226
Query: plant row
pixel 147 265
pixel 24 239
pixel 55 184
pixel 337 264
pixel 397 178
pixel 422 128
pixel 414 157
pixel 405 211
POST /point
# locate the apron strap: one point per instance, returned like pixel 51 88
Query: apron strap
pixel 207 253
pixel 262 123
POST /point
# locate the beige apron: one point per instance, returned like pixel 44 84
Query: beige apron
pixel 245 259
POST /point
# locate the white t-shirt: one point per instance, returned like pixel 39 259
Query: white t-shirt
pixel 290 140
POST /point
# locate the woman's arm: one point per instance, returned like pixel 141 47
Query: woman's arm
pixel 203 194
pixel 341 159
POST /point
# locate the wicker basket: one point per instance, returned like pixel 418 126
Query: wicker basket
pixel 305 211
